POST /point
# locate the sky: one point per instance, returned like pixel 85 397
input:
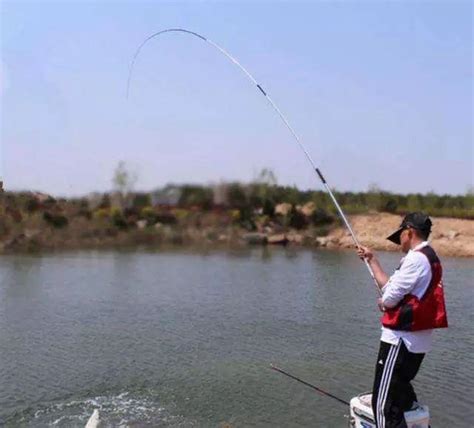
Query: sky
pixel 380 93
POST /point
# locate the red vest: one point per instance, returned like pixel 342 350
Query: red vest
pixel 413 314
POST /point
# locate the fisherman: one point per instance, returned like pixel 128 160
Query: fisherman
pixel 413 305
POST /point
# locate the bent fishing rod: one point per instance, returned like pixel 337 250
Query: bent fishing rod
pixel 280 114
pixel 321 391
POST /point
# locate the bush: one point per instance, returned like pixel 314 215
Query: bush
pixel 4 229
pixel 192 195
pixel 32 205
pixel 246 219
pixel 141 200
pixel 234 215
pixel 181 213
pixel 105 202
pixel 269 208
pixel 84 212
pixel 102 213
pixel 237 196
pixel 131 212
pixel 56 220
pixel 297 219
pixel 150 215
pixel 114 212
pixel 166 218
pixel 321 217
pixel 119 221
pixel 390 206
pixel 147 212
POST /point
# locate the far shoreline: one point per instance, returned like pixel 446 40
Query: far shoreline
pixel 450 238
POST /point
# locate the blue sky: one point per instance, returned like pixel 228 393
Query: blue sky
pixel 379 92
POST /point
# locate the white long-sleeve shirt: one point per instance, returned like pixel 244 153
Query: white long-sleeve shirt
pixel 412 277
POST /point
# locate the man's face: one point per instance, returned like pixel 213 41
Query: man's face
pixel 405 239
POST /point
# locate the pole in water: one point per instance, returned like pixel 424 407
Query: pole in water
pixel 275 107
pixel 321 391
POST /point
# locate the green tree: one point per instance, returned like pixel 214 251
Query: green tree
pixel 124 180
pixel 297 219
pixel 196 195
pixel 237 196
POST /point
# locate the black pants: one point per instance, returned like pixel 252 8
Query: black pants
pixel 393 393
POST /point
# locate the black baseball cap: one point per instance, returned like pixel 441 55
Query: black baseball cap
pixel 415 220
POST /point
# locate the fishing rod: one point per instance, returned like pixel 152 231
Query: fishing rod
pixel 280 114
pixel 327 394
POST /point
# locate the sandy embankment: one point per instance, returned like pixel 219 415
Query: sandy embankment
pixel 449 236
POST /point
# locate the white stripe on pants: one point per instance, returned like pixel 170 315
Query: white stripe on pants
pixel 385 384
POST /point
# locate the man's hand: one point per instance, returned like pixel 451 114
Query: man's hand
pixel 380 305
pixel 365 253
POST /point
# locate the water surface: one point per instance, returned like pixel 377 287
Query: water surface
pixel 185 339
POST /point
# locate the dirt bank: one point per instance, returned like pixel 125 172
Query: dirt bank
pixel 450 237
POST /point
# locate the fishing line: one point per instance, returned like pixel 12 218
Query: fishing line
pixel 275 107
pixel 316 388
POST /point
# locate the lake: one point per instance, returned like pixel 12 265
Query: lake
pixel 179 338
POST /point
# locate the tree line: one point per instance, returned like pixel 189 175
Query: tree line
pixel 266 197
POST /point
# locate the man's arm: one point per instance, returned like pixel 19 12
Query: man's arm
pixel 380 276
pixel 414 268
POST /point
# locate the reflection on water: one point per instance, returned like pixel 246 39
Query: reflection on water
pixel 179 338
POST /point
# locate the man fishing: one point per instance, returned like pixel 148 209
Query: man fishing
pixel 408 295
pixel 413 305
